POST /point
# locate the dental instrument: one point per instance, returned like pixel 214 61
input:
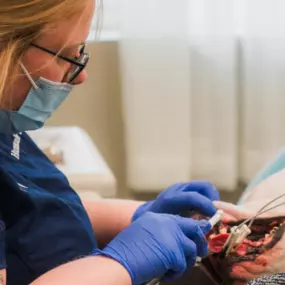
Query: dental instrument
pixel 236 237
pixel 240 232
pixel 213 221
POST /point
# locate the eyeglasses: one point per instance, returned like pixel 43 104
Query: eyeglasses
pixel 78 64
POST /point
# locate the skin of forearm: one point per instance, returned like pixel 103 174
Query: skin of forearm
pixel 94 270
pixel 109 217
pixel 3 277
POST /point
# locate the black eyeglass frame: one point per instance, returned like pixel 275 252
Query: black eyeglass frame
pixel 83 55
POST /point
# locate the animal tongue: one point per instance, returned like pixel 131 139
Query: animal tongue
pixel 242 249
pixel 216 242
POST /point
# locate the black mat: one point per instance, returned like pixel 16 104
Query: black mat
pixel 194 276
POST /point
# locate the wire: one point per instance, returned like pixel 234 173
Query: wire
pixel 228 244
pixel 260 213
pixel 272 201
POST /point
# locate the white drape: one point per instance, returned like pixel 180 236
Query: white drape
pixel 203 85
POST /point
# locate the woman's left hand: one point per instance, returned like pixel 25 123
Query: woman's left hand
pixel 181 197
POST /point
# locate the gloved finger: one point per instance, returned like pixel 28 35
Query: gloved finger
pixel 205 188
pixel 201 242
pixel 190 252
pixel 195 230
pixel 177 187
pixel 190 201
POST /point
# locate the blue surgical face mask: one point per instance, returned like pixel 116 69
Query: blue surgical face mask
pixel 42 100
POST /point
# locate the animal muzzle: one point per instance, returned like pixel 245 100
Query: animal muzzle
pixel 246 260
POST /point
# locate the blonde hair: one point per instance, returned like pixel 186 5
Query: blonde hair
pixel 21 21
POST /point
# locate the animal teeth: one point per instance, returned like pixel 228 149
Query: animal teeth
pixel 273 230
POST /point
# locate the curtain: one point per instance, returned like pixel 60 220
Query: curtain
pixel 203 86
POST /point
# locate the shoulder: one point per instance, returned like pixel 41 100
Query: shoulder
pixel 13 142
pixel 14 146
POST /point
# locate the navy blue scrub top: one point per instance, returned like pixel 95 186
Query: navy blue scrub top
pixel 46 224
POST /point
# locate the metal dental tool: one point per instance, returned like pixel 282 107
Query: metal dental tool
pixel 213 221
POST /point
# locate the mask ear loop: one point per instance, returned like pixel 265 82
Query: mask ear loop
pixel 29 76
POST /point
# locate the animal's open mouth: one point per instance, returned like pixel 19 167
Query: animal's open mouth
pixel 265 233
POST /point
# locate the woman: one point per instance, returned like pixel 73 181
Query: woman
pixel 48 236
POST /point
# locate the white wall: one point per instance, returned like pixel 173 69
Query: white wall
pixel 96 106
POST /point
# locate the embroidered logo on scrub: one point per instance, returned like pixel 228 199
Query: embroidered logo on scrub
pixel 16 146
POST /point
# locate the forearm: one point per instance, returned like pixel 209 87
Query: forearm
pixel 3 277
pixel 109 217
pixel 88 271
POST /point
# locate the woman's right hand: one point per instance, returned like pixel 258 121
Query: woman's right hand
pixel 158 245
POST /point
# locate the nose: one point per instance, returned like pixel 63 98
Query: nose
pixel 81 77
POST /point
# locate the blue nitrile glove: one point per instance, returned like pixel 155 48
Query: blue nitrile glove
pixel 158 245
pixel 180 197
